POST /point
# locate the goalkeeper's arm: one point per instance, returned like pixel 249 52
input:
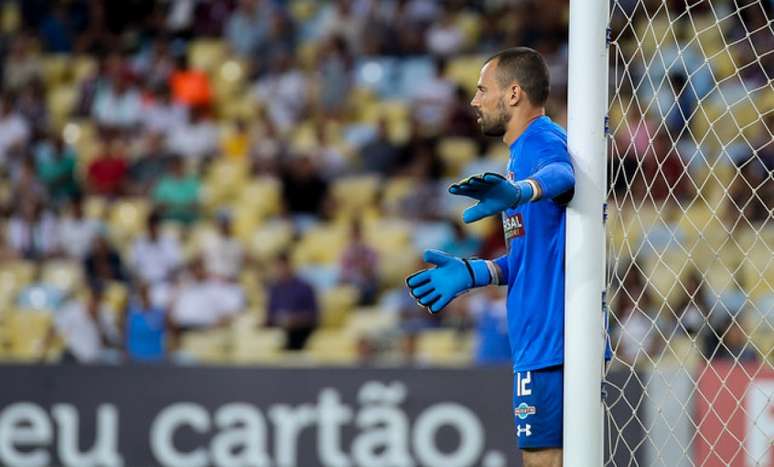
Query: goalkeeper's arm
pixel 555 180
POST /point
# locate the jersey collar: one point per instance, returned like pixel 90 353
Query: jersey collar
pixel 532 124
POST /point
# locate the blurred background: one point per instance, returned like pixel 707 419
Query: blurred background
pixel 231 183
pixel 247 181
pixel 241 182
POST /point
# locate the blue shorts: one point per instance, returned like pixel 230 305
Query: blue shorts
pixel 537 407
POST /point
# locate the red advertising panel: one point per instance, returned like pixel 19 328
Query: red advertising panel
pixel 735 415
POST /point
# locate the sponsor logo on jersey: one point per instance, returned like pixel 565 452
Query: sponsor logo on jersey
pixel 513 227
pixel 523 410
pixel 526 430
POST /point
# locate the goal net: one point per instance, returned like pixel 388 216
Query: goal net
pixel 690 242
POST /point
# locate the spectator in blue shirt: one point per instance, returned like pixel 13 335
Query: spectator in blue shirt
pixel 146 327
pixel 292 305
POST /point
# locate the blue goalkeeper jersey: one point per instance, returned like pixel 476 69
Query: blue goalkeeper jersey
pixel 534 264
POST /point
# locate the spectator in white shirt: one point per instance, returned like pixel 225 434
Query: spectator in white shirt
pixel 14 129
pixel 155 257
pixel 88 330
pixel 195 139
pixel 444 38
pixel 76 231
pixel 117 104
pixel 32 231
pixel 22 64
pixel 161 114
pixel 433 99
pixel 223 253
pixel 284 93
pixel 204 302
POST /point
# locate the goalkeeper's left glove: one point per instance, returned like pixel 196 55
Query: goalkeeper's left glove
pixel 435 288
pixel 494 194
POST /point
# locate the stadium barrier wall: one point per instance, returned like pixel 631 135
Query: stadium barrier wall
pixel 139 416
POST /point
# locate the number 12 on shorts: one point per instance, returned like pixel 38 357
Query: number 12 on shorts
pixel 521 384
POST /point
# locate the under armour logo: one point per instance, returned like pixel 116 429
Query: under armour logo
pixel 527 430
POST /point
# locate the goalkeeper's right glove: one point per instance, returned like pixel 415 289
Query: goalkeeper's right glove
pixel 494 194
pixel 435 288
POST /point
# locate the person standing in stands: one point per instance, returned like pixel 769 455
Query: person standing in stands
pixel 292 305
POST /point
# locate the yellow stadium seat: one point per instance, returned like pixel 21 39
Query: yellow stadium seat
pixel 307 54
pixel 94 207
pixel 396 189
pixel 718 124
pixel 270 239
pixel 470 25
pixel 10 18
pixel 78 132
pixel 464 70
pixel 200 235
pixel 26 332
pixel 258 346
pixel 456 153
pixel 224 182
pixel 395 267
pixel 710 42
pixel 252 280
pixel 371 321
pixel 630 225
pixel 230 78
pixel 206 346
pixel 65 275
pixel 56 68
pixel 6 191
pixel 388 236
pixel 237 106
pixel 116 296
pixel 13 276
pixel 680 351
pixel 443 347
pixel 355 193
pixel 303 139
pixel 362 100
pixel 82 67
pixel 694 221
pixel 128 218
pixel 258 200
pixel 391 238
pixel 394 108
pixel 337 303
pixel 666 273
pixel 497 153
pixel 207 54
pixel 322 244
pixel 245 323
pixel 653 33
pixel 484 227
pixel 758 269
pixel 333 347
pixel 303 10
pixel 61 101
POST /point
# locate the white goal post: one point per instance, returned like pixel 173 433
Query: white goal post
pixel 585 244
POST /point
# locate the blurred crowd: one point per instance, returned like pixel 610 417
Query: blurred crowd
pixel 251 180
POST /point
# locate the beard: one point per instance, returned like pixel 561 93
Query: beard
pixel 496 123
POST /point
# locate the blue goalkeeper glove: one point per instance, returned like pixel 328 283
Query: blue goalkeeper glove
pixel 435 288
pixel 494 194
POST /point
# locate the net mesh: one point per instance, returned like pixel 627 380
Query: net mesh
pixel 690 237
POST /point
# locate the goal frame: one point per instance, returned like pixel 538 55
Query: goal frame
pixel 584 336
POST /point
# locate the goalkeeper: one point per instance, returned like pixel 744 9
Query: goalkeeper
pixel 510 98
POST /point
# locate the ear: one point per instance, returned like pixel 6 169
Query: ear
pixel 514 94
